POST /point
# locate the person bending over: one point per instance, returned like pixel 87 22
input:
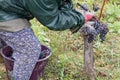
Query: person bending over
pixel 15 28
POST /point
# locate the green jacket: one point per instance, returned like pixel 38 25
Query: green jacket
pixel 54 14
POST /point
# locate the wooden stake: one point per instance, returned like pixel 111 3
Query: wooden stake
pixel 101 11
pixel 89 59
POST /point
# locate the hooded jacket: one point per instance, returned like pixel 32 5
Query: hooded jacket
pixel 54 14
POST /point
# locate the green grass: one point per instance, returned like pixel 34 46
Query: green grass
pixel 67 63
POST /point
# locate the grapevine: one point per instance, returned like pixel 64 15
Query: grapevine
pixel 101 29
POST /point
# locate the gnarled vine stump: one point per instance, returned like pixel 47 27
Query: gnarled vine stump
pixel 89 59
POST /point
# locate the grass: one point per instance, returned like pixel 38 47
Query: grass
pixel 2 69
pixel 69 57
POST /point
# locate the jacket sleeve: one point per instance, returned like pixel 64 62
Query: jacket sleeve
pixel 54 15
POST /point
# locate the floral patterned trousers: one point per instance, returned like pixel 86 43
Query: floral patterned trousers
pixel 26 51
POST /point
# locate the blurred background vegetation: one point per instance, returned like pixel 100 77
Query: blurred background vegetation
pixel 67 60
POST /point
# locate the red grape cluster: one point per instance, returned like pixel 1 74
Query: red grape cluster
pixel 101 29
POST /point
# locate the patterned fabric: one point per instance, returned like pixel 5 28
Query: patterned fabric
pixel 26 50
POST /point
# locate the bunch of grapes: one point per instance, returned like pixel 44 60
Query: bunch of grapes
pixel 101 29
pixel 44 54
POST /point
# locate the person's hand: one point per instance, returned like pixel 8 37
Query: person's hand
pixel 88 15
